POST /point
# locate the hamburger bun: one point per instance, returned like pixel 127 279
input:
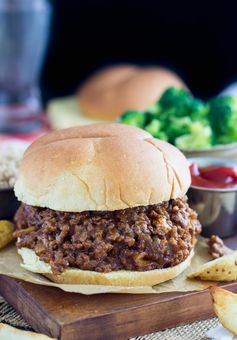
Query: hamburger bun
pixel 112 91
pixel 101 167
pixel 32 263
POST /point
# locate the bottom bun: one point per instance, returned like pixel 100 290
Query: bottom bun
pixel 32 263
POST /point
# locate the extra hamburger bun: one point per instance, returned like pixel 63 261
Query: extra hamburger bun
pixel 116 89
pixel 101 167
pixel 32 263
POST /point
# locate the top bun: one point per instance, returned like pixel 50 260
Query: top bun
pixel 101 167
pixel 114 90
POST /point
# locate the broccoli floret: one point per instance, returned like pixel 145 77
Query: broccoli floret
pixel 198 110
pixel 162 135
pixel 223 119
pixel 154 108
pixel 200 137
pixel 154 128
pixel 179 103
pixel 175 102
pixel 149 118
pixel 135 118
pixel 172 97
pixel 179 113
pixel 177 127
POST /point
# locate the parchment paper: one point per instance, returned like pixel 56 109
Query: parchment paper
pixel 10 265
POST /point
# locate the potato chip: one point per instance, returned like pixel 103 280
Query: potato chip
pixel 6 233
pixel 225 307
pixel 221 269
pixel 10 333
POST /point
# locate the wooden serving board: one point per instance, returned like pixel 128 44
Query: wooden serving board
pixel 70 316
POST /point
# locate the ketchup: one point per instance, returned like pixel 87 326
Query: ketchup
pixel 214 176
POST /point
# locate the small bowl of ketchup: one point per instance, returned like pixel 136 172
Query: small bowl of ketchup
pixel 213 194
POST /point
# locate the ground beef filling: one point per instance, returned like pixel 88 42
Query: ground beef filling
pixel 141 238
pixel 216 246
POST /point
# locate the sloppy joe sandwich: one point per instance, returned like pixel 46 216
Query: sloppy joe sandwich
pixel 115 89
pixel 104 204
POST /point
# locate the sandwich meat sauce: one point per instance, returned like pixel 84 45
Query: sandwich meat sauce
pixel 137 239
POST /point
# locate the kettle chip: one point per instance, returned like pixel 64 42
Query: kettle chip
pixel 6 233
pixel 221 269
pixel 225 307
pixel 10 333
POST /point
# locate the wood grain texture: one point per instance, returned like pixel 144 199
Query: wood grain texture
pixel 71 316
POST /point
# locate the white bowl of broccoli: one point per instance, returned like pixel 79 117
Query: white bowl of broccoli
pixel 194 126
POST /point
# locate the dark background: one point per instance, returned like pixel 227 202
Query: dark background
pixel 197 40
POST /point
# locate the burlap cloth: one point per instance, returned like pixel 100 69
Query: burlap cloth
pixel 193 331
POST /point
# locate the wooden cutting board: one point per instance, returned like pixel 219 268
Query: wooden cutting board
pixel 70 316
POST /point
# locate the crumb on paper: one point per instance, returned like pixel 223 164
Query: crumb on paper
pixel 216 246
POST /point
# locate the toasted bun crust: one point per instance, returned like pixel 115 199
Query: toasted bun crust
pixel 114 90
pixel 101 167
pixel 32 263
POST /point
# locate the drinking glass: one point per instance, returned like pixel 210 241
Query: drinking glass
pixel 24 30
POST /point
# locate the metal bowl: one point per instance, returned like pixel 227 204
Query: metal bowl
pixel 216 208
pixel 8 204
